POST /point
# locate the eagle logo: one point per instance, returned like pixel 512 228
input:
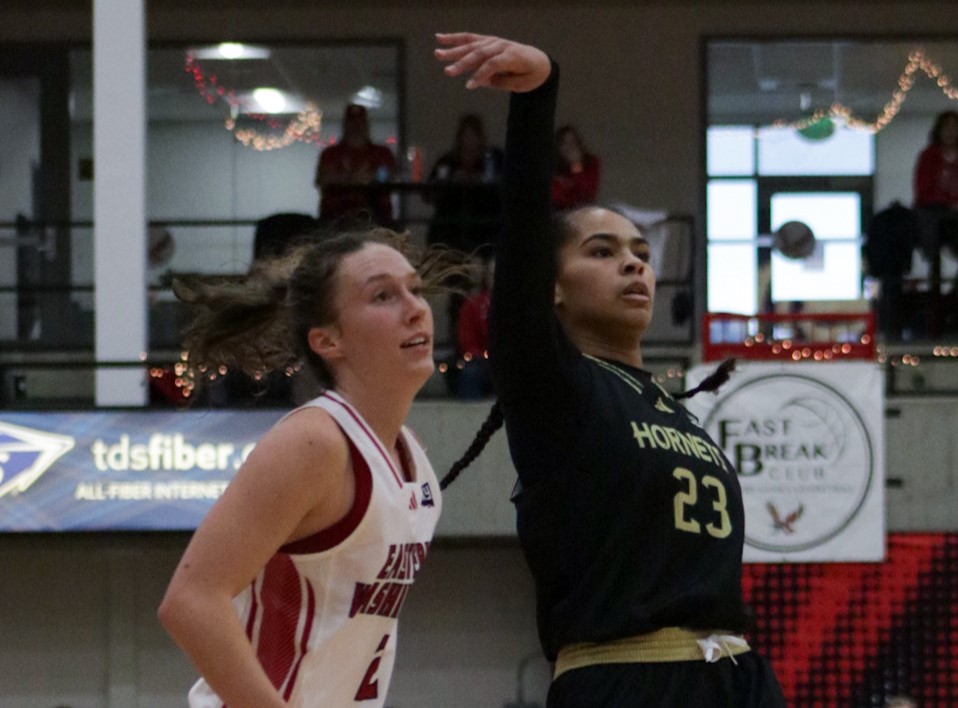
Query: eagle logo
pixel 785 524
pixel 25 454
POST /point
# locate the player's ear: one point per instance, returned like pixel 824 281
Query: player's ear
pixel 326 341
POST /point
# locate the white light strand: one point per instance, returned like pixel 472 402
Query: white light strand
pixel 304 128
pixel 917 59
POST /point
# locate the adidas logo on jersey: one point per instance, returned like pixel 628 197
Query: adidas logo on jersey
pixel 661 405
pixel 413 504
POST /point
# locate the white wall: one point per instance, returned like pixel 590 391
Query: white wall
pixel 197 171
pixel 78 627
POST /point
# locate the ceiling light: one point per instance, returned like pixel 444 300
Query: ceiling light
pixel 231 51
pixel 270 100
pixel 368 96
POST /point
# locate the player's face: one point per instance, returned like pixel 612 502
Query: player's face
pixel 605 285
pixel 384 329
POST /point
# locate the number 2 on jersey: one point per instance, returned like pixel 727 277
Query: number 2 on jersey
pixel 688 496
pixel 369 687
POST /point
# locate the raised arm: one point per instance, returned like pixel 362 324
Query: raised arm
pixel 526 345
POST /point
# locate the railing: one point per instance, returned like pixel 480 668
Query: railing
pixel 67 382
pixel 789 337
pixel 52 307
pixel 47 356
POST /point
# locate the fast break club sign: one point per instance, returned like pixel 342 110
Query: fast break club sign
pixel 807 441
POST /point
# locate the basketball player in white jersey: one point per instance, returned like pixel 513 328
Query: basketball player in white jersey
pixel 289 591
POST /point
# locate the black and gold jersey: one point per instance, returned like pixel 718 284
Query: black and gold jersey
pixel 629 516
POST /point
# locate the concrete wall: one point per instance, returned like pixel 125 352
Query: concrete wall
pixel 78 627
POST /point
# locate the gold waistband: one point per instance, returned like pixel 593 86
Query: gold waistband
pixel 668 644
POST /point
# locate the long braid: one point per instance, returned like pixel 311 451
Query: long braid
pixel 492 423
pixel 713 381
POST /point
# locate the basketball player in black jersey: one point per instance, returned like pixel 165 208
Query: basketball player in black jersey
pixel 630 517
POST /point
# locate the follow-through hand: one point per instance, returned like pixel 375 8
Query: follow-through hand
pixel 493 62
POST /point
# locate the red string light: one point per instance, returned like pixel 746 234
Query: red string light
pixel 305 127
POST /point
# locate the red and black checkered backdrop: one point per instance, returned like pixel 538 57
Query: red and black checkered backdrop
pixel 857 634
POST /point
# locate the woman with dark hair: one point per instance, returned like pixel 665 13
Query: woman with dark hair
pixel 936 202
pixel 468 204
pixel 289 591
pixel 576 179
pixel 936 172
pixel 630 517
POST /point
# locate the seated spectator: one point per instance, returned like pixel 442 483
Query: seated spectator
pixel 277 232
pixel 936 172
pixel 576 180
pixel 472 331
pixel 936 185
pixel 936 202
pixel 891 240
pixel 469 206
pixel 346 168
pixel 274 234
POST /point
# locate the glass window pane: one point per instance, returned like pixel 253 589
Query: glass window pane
pixel 732 278
pixel 730 150
pixel 731 209
pixel 215 153
pixel 20 151
pixel 830 215
pixel 782 151
pixel 833 271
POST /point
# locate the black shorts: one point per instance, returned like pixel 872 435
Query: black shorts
pixel 697 684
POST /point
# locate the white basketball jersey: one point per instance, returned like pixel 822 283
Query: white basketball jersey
pixel 322 615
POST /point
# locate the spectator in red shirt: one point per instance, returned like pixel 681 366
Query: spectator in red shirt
pixel 936 202
pixel 346 168
pixel 576 179
pixel 936 173
pixel 472 332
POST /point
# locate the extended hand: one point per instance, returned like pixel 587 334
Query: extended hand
pixel 493 62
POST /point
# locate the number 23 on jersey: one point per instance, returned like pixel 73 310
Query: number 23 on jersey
pixel 718 524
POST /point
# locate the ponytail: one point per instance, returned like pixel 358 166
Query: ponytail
pixel 713 381
pixel 240 322
pixel 492 423
pixel 260 322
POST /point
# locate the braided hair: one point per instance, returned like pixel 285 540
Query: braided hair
pixel 494 420
pixel 491 424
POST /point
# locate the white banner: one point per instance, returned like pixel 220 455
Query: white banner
pixel 807 440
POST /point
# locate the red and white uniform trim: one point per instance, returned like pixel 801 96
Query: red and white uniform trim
pixel 322 615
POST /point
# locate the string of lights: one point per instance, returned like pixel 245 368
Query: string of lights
pixel 305 127
pixel 917 60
